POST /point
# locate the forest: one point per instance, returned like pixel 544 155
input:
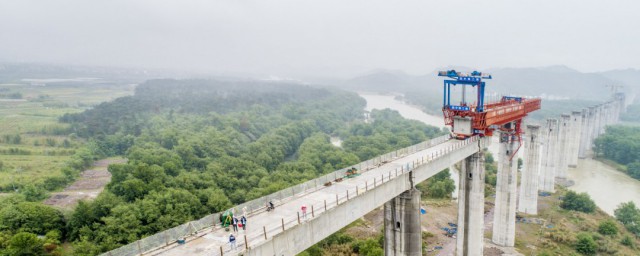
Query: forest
pixel 196 147
pixel 622 145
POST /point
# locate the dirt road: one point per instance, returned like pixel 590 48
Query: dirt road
pixel 87 187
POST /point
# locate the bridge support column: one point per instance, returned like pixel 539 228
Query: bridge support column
pixel 564 133
pixel 596 123
pixel 590 130
pixel 402 229
pixel 575 135
pixel 584 134
pixel 504 218
pixel 548 171
pixel 470 234
pixel 602 120
pixel 528 202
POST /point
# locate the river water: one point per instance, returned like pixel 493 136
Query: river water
pixel 607 186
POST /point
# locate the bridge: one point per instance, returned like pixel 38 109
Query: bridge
pixel 388 180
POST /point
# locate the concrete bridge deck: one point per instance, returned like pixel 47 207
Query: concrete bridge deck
pixel 329 208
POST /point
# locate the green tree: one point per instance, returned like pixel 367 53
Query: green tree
pixel 633 169
pixel 608 227
pixel 585 244
pixel 84 247
pixel 33 193
pixel 629 215
pixel 578 202
pixel 369 247
pixel 439 186
pixel 24 243
pixel 31 217
pixel 218 201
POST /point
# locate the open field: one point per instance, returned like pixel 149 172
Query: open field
pixel 33 144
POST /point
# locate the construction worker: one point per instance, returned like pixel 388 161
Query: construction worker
pixel 243 221
pixel 304 211
pixel 234 222
pixel 232 241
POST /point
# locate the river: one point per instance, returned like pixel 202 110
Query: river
pixel 607 186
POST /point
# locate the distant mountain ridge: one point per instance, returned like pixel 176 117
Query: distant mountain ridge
pixel 560 82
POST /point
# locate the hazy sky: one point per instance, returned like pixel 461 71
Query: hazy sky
pixel 322 37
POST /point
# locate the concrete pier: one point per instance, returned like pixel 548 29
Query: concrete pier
pixel 584 134
pixel 564 130
pixel 575 133
pixel 504 219
pixel 591 129
pixel 470 234
pixel 602 120
pixel 606 116
pixel 596 124
pixel 528 202
pixel 402 229
pixel 549 154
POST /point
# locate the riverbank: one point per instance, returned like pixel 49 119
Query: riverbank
pixel 607 186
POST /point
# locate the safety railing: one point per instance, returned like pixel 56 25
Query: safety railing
pixel 196 228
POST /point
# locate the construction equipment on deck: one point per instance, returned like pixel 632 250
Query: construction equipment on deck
pixel 482 119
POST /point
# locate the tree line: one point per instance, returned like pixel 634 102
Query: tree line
pixel 622 145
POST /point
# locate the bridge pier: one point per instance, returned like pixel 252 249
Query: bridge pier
pixel 601 120
pixel 564 132
pixel 504 218
pixel 470 234
pixel 575 134
pixel 584 134
pixel 594 123
pixel 549 155
pixel 528 202
pixel 595 129
pixel 402 229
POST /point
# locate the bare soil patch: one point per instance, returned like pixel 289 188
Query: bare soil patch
pixel 87 187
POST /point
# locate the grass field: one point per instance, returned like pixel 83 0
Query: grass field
pixel 33 144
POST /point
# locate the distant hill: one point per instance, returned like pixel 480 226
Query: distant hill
pixel 627 77
pixel 550 82
pixel 559 82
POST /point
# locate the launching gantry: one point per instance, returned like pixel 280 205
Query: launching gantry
pixel 482 119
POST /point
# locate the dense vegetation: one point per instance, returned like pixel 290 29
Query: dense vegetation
pixel 347 242
pixel 632 113
pixel 622 145
pixel 195 147
pixel 629 215
pixel 578 202
pixel 439 186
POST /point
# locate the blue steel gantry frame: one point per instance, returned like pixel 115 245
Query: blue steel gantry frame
pixel 474 79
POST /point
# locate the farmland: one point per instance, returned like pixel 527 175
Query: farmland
pixel 34 146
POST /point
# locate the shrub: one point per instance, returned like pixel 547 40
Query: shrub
pixel 628 241
pixel 608 227
pixel 629 215
pixel 578 202
pixel 25 243
pixel 585 244
pixel 369 247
